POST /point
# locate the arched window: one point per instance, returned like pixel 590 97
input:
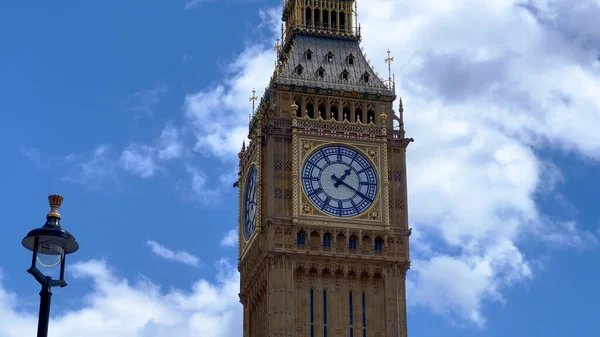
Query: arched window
pixel 321 73
pixel 371 116
pixel 327 240
pixel 330 57
pixel 365 77
pixel 378 247
pixel 299 69
pixel 301 238
pixel 345 75
pixel 334 112
pixel 310 110
pixel 351 60
pixel 352 242
pixel 322 111
pixel 308 54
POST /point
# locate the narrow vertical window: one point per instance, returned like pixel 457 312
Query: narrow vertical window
pixel 312 314
pixel 327 240
pixel 351 315
pixel 352 243
pixel 324 313
pixel 301 238
pixel 378 245
pixel 364 316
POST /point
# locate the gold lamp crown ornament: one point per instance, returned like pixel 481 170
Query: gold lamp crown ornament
pixel 55 200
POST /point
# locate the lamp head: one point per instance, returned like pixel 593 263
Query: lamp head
pixel 51 243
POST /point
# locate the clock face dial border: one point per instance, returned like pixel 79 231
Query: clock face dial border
pixel 250 202
pixel 339 181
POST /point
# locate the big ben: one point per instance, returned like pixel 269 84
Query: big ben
pixel 323 224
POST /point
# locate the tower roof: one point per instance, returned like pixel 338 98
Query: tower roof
pixel 332 56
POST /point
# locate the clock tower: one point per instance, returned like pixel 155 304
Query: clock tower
pixel 323 225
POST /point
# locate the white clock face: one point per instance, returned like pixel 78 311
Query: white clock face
pixel 339 181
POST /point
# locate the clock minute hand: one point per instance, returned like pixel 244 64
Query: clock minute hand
pixel 354 189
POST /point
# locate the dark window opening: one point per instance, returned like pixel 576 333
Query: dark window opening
pixel 351 60
pixel 322 111
pixel 365 77
pixel 327 240
pixel 301 238
pixel 299 112
pixel 325 19
pixel 352 242
pixel 334 20
pixel 334 113
pixel 317 18
pixel 345 75
pixel 346 112
pixel 342 21
pixel 358 115
pixel 321 73
pixel 299 70
pixel 378 245
pixel 307 16
pixel 371 116
pixel 310 110
pixel 330 57
pixel 309 55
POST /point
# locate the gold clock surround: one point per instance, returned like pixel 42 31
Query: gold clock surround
pixel 304 206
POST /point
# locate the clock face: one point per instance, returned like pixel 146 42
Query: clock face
pixel 339 181
pixel 250 206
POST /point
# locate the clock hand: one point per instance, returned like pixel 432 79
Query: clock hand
pixel 338 181
pixel 346 173
pixel 355 190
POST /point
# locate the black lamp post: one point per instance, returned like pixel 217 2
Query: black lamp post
pixel 49 244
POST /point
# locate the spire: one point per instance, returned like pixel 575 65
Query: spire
pixel 389 61
pixel 253 100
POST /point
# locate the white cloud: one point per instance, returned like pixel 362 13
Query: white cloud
pixel 223 137
pixel 230 239
pixel 145 160
pixel 197 188
pixel 193 4
pixel 31 154
pixel 118 307
pixel 146 100
pixel 177 256
pixel 91 171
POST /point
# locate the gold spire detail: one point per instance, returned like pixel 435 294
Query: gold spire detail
pixel 277 45
pixel 389 61
pixel 253 100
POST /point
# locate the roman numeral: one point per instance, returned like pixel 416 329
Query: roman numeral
pixel 325 157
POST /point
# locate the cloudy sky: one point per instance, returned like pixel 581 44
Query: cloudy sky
pixel 135 110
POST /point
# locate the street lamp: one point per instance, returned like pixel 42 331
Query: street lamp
pixel 49 244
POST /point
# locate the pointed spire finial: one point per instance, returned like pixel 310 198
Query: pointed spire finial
pixel 253 99
pixel 389 61
pixel 277 46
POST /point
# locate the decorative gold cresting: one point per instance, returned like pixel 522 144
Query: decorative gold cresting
pixel 55 201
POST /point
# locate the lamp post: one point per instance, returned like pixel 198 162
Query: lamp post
pixel 49 244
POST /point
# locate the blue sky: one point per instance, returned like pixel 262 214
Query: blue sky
pixel 135 110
